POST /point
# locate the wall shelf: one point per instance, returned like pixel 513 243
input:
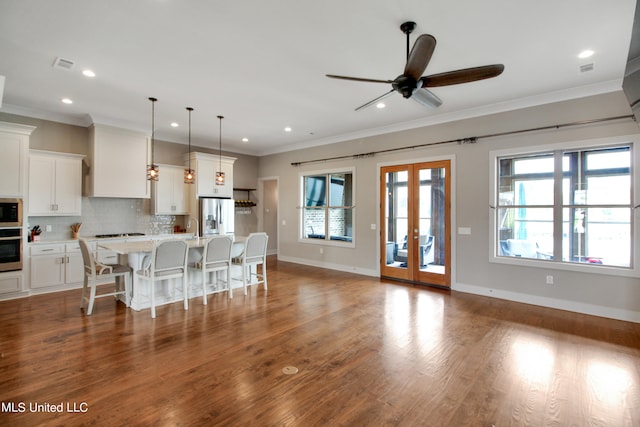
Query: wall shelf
pixel 247 203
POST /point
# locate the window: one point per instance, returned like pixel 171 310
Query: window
pixel 327 206
pixel 568 206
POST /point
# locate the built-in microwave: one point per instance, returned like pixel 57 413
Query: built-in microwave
pixel 10 212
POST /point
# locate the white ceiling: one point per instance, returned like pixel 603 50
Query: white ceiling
pixel 262 64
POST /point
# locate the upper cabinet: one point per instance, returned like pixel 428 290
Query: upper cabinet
pixel 55 184
pixel 14 145
pixel 118 161
pixel 206 166
pixel 170 194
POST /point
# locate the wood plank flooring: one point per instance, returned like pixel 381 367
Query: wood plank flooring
pixel 369 353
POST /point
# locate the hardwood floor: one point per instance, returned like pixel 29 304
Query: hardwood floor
pixel 369 353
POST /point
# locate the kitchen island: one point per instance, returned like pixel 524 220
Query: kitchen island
pixel 135 253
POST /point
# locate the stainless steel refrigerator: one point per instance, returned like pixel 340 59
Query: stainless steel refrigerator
pixel 216 216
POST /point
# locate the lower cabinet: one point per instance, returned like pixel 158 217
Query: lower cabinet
pixel 56 264
pixel 10 282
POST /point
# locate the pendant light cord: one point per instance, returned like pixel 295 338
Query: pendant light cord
pixel 153 126
pixel 189 109
pixel 220 145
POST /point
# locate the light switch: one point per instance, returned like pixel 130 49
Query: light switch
pixel 373 226
pixel 464 230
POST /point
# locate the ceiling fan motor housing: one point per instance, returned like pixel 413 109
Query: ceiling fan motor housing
pixel 405 85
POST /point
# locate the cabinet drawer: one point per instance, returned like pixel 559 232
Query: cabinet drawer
pixel 72 247
pixel 47 249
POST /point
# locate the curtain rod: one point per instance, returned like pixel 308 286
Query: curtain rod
pixel 470 140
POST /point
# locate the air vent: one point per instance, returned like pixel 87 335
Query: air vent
pixel 65 64
pixel 586 67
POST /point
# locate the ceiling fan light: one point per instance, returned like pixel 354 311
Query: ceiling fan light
pixel 427 98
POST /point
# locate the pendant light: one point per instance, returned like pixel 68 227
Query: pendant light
pixel 220 174
pixel 152 169
pixel 189 174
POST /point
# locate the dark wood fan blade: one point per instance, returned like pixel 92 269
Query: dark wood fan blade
pixel 373 101
pixel 420 56
pixel 358 79
pixel 462 76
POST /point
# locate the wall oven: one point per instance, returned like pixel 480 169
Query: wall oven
pixel 10 249
pixel 10 212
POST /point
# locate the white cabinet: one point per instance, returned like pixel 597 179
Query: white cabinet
pixel 55 184
pixel 14 143
pixel 170 194
pixel 47 265
pixel 56 264
pixel 10 282
pixel 118 161
pixel 206 166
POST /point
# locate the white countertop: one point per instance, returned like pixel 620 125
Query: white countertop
pixel 146 245
pixel 119 239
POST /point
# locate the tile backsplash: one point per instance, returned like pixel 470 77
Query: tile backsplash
pixel 107 216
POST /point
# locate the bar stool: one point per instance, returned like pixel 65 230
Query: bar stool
pixel 168 261
pixel 96 273
pixel 254 254
pixel 216 257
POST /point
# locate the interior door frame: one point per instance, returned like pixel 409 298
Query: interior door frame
pixel 452 215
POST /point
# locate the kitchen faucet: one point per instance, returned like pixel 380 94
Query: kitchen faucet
pixel 197 226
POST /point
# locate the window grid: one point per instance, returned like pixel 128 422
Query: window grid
pixel 580 210
pixel 327 205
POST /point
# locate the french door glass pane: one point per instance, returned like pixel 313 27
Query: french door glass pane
pixel 431 230
pixel 396 219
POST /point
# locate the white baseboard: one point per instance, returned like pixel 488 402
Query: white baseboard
pixel 574 306
pixel 330 266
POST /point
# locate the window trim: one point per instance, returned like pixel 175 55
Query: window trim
pixel 633 141
pixel 301 208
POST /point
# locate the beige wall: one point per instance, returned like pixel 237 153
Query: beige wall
pixel 53 136
pixel 472 271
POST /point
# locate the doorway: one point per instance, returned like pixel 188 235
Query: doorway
pixel 415 222
pixel 268 211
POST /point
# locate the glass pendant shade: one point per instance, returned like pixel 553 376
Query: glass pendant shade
pixel 152 172
pixel 152 169
pixel 219 178
pixel 220 174
pixel 189 174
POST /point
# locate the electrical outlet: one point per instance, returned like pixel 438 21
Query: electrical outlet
pixel 321 250
pixel 48 227
pixel 549 280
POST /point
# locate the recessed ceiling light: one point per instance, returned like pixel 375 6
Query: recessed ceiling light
pixel 287 129
pixel 66 101
pixel 585 54
pixel 381 105
pixel 245 139
pixel 89 73
pixel 174 125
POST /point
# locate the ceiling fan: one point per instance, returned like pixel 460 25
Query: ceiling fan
pixel 411 83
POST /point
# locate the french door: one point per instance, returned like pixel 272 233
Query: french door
pixel 415 218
